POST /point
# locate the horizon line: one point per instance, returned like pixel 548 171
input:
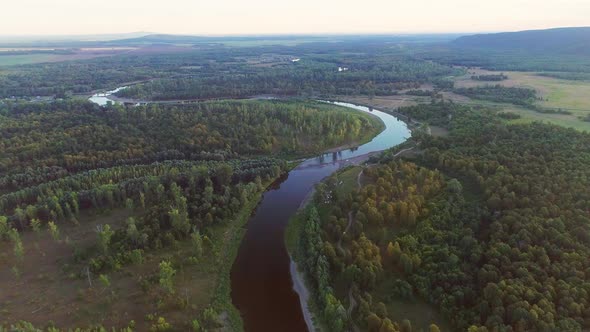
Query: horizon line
pixel 262 34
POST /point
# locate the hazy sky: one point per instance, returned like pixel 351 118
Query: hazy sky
pixel 44 17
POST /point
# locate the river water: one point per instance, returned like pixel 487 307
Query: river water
pixel 261 280
pixel 103 98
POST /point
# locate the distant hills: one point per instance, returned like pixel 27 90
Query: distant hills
pixel 47 39
pixel 559 40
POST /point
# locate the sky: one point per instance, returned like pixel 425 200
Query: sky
pixel 231 17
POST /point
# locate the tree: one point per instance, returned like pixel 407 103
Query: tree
pixel 104 280
pixel 406 326
pixel 387 326
pixel 166 276
pixel 334 313
pixel 18 244
pixel 104 238
pixel 53 230
pixel 223 174
pixel 454 186
pixel 433 328
pixel 373 322
pixel 35 225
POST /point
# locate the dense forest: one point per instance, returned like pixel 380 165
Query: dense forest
pixel 380 75
pixel 41 142
pixel 212 72
pixel 489 224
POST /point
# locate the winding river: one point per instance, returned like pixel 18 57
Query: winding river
pixel 264 284
pixel 266 288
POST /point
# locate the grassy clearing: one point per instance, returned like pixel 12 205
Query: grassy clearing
pixel 564 120
pixel 347 179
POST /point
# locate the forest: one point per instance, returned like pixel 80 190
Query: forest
pixel 131 203
pixel 498 93
pixel 489 224
pixel 214 72
pixel 378 75
pixel 42 142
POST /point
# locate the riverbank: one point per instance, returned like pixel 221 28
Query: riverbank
pixel 292 235
pixel 228 313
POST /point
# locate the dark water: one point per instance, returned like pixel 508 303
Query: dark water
pixel 262 288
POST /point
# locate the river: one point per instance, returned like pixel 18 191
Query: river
pixel 103 98
pixel 261 277
pixel 261 281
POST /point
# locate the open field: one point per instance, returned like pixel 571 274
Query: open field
pixel 527 115
pixel 570 95
pixel 8 57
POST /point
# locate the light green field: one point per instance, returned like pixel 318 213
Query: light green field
pixel 556 93
pixel 569 95
pixel 564 120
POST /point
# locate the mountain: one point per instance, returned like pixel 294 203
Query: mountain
pixel 556 41
pixel 162 39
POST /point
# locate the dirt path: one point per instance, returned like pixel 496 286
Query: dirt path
pixel 402 151
pixel 351 307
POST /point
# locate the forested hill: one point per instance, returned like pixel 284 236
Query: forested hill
pixel 559 40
